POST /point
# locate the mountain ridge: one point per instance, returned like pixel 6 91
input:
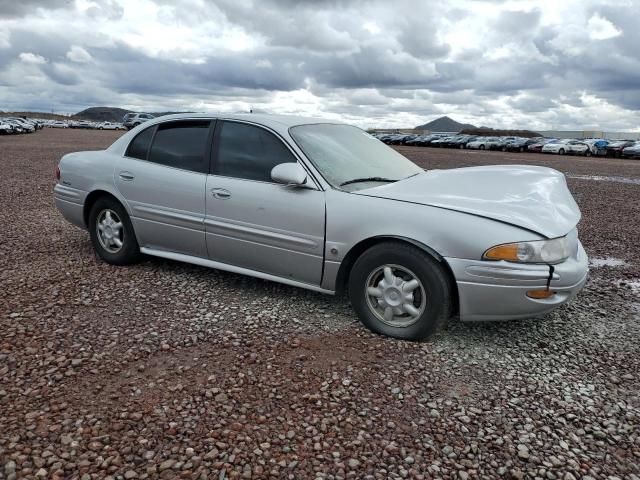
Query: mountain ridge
pixel 444 124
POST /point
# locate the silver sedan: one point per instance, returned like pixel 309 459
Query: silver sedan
pixel 328 207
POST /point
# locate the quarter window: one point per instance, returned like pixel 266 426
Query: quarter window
pixel 249 152
pixel 139 146
pixel 181 144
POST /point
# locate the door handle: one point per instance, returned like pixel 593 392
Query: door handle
pixel 220 193
pixel 127 176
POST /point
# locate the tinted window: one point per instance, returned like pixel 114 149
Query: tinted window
pixel 181 145
pixel 249 152
pixel 139 146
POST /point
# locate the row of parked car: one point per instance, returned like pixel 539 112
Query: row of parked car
pixel 86 124
pixel 12 125
pixel 129 121
pixel 564 146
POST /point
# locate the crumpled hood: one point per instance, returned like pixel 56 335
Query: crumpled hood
pixel 535 198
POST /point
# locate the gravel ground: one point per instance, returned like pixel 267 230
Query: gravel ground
pixel 165 370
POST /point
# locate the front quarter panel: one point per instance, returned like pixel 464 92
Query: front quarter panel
pixel 353 218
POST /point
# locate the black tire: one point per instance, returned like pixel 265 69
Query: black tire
pixel 481 147
pixel 587 153
pixel 561 151
pixel 129 252
pixel 521 149
pixel 430 273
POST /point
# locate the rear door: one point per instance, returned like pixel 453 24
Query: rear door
pixel 253 222
pixel 163 176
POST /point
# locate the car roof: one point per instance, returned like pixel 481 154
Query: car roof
pixel 277 123
pixel 266 119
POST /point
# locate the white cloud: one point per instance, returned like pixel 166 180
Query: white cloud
pixel 524 63
pixel 602 29
pixel 79 55
pixel 28 57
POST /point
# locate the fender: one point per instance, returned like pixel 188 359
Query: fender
pixel 336 273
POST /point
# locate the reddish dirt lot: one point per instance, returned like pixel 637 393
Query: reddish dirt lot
pixel 166 370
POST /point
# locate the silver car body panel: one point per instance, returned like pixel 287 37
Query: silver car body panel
pixel 535 198
pixel 301 236
pixel 255 225
pixel 167 205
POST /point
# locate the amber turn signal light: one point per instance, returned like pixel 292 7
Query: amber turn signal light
pixel 508 251
pixel 540 294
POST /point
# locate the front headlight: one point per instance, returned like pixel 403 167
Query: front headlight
pixel 556 250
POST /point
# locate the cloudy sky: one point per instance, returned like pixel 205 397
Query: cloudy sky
pixel 560 64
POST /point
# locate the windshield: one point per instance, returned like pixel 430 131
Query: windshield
pixel 343 153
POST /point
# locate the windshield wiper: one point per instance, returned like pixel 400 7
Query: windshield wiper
pixel 367 179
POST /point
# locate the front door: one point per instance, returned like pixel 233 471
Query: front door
pixel 255 223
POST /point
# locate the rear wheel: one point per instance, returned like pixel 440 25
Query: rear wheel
pixel 561 151
pixel 400 291
pixel 112 233
pixel 481 147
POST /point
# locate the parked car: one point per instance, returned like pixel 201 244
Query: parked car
pixel 519 144
pixel 132 120
pixel 110 126
pixel 484 143
pixel 83 124
pixel 536 147
pixel 26 126
pixel 440 142
pixel 416 140
pixel 6 128
pixel 567 146
pixel 15 126
pixel 401 138
pixel 426 142
pixel 423 140
pixel 597 146
pixel 58 124
pixel 614 149
pixel 289 199
pixel 632 151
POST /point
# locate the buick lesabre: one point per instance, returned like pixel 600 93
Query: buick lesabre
pixel 328 207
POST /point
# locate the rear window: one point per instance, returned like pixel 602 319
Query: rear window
pixel 139 146
pixel 182 145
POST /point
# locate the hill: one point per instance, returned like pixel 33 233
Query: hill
pixel 102 114
pixel 444 124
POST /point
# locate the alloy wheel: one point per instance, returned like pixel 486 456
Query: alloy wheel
pixel 395 295
pixel 110 231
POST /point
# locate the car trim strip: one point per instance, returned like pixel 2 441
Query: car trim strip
pixel 258 232
pixel 231 268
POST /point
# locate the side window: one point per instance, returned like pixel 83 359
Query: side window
pixel 139 146
pixel 181 144
pixel 249 152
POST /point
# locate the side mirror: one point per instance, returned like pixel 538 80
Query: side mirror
pixel 291 174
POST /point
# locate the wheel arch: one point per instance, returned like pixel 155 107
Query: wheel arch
pixel 358 249
pixel 93 197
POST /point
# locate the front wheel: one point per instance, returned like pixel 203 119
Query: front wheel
pixel 561 151
pixel 112 233
pixel 400 291
pixel 481 147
